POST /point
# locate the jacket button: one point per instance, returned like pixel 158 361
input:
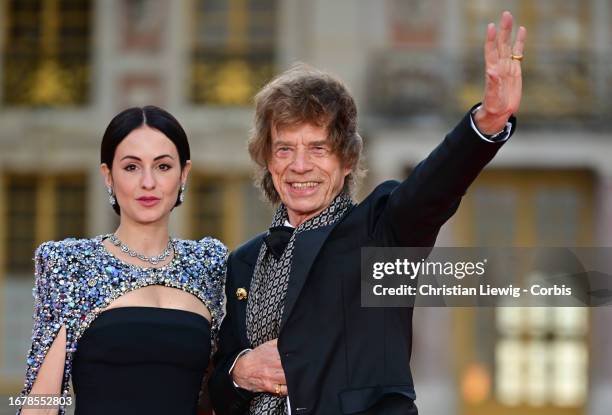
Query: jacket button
pixel 241 294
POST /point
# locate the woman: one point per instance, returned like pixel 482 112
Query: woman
pixel 142 307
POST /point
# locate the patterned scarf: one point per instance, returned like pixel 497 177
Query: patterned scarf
pixel 268 289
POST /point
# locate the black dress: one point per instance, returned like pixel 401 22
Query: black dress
pixel 141 360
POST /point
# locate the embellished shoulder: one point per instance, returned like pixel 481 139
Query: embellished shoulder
pixel 68 245
pixel 205 247
pixel 208 258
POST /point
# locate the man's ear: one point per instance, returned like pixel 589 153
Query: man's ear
pixel 347 168
pixel 106 175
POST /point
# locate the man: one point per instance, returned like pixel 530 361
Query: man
pixel 296 339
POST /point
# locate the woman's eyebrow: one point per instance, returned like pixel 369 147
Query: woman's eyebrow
pixel 155 159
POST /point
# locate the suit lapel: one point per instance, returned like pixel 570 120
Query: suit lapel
pixel 307 247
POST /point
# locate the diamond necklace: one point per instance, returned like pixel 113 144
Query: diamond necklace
pixel 153 260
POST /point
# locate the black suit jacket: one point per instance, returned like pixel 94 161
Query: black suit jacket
pixel 338 357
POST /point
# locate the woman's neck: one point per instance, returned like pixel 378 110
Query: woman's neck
pixel 147 239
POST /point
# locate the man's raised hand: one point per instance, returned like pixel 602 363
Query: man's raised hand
pixel 503 79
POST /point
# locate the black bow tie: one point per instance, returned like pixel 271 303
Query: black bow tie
pixel 277 239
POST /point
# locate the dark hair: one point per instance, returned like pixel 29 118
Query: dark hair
pixel 132 118
pixel 304 94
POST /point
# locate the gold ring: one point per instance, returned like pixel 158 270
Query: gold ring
pixel 517 57
pixel 277 389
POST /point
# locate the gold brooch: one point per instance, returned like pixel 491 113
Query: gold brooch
pixel 241 294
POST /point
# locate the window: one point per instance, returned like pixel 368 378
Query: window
pixel 21 219
pixel 541 356
pixel 41 208
pixel 234 50
pixel 558 61
pixel 533 360
pixel 46 54
pixel 228 208
pixel 70 207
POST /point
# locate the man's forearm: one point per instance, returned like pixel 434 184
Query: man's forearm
pixel 420 205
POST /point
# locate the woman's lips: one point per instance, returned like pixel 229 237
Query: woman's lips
pixel 148 201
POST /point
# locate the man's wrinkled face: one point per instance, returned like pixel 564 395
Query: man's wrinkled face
pixel 306 173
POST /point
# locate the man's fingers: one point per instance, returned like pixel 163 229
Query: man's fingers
pixel 277 388
pixel 273 375
pixel 274 363
pixel 504 47
pixel 278 377
pixel 490 47
pixel 519 43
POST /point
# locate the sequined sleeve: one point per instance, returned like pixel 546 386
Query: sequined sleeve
pixel 214 256
pixel 48 314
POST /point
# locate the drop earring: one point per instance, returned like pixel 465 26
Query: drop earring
pixel 111 196
pixel 182 193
